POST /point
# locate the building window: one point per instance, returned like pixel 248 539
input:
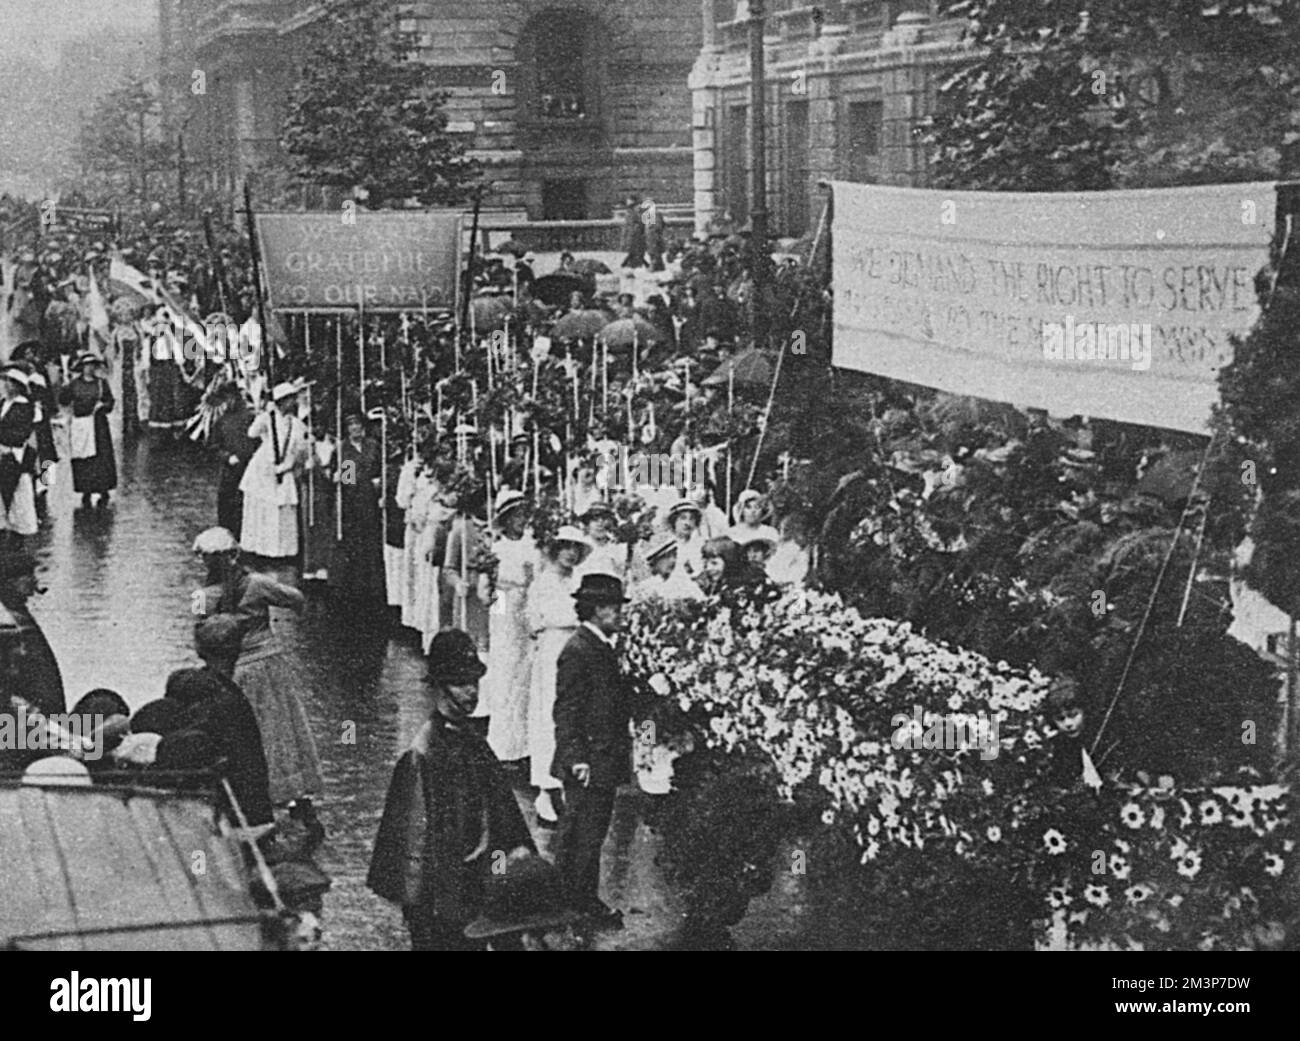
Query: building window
pixel 798 143
pixel 558 48
pixel 736 162
pixel 564 200
pixel 865 119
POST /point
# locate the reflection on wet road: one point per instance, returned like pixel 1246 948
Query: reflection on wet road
pixel 116 611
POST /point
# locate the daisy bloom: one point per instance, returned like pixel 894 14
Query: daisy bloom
pixel 1131 814
pixel 1189 865
pixel 1211 812
pixel 1273 864
pixel 1119 867
pixel 1137 894
pixel 1097 895
pixel 994 833
pixel 1053 842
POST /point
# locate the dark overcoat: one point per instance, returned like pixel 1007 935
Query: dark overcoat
pixel 449 811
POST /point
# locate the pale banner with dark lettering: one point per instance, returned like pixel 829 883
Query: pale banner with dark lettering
pixel 391 260
pixel 1118 304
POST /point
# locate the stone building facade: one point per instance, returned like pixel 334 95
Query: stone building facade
pixel 568 104
pixel 848 82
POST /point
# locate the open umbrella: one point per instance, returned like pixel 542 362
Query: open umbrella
pixel 510 246
pixel 489 313
pixel 623 331
pixel 748 367
pixel 590 266
pixel 580 325
pixel 556 289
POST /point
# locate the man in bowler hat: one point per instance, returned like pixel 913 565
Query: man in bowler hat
pixel 451 818
pixel 593 743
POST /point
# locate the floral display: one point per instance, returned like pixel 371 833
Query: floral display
pixel 912 745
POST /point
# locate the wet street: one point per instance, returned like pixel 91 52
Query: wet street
pixel 116 610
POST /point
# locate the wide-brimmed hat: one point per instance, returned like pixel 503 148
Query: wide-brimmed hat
pixel 745 497
pixel 285 390
pixel 599 508
pixel 508 500
pixel 527 896
pixel 15 373
pixel 87 358
pixel 598 588
pixel 684 506
pixel 454 659
pixel 215 540
pixel 574 536
pixel 661 549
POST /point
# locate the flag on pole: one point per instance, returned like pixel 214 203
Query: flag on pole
pixel 97 313
pixel 123 278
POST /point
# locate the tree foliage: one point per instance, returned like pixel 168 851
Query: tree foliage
pixel 362 117
pixel 1144 93
pixel 120 146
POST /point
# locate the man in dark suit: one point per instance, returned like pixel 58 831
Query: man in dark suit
pixel 593 743
pixel 231 443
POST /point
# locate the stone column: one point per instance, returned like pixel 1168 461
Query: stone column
pixel 704 133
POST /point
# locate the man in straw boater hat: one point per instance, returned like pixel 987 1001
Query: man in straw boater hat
pixel 270 483
pixel 593 744
pixel 94 467
pixel 450 819
pixel 666 581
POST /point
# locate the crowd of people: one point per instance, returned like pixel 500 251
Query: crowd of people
pixel 518 614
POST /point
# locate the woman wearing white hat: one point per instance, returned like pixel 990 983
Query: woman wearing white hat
pixel 504 689
pixel 94 467
pixel 552 619
pixel 270 484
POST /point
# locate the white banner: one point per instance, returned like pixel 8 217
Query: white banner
pixel 1117 304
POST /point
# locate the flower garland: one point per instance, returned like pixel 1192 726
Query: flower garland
pixel 912 744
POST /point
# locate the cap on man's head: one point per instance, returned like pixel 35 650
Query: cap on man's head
pixel 453 659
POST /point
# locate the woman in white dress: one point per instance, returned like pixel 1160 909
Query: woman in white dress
pixel 552 619
pixel 750 512
pixel 607 557
pixel 504 689
pixel 414 493
pixel 433 550
pixel 270 484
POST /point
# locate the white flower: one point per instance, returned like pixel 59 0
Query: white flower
pixel 955 702
pixel 1273 864
pixel 1189 865
pixel 1136 894
pixel 1131 814
pixel 828 816
pixel 1097 895
pixel 1119 867
pixel 1053 842
pixel 1211 812
pixel 994 833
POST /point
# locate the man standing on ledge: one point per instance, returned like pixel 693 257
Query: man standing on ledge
pixel 451 817
pixel 593 741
